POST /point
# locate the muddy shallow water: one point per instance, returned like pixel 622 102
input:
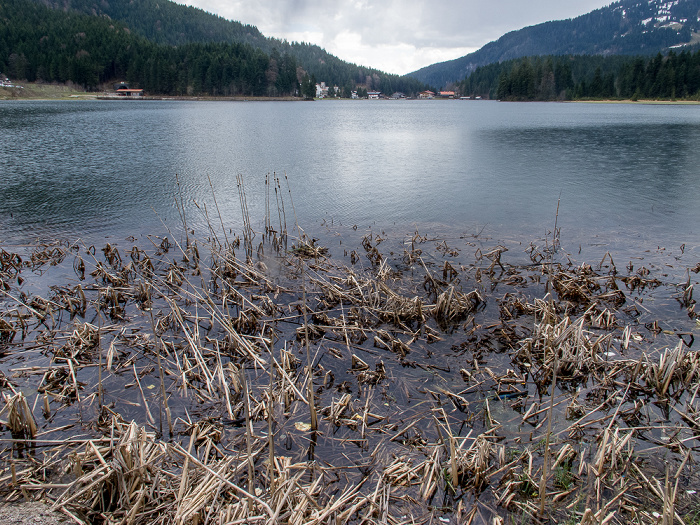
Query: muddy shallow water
pixel 433 361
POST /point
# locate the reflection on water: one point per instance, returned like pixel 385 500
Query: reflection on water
pixel 625 173
pixel 618 176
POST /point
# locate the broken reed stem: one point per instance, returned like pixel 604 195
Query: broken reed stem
pixel 291 201
pixel 181 209
pixel 668 501
pixel 247 214
pixel 183 480
pixel 556 220
pixel 270 415
pixel 268 225
pixel 453 454
pixel 270 433
pixel 100 392
pixel 143 394
pixel 284 214
pixel 248 434
pixel 312 403
pixel 550 415
pixel 164 398
pixel 218 211
pixel 47 407
pixel 215 243
pixel 247 228
pixel 177 448
pixel 279 209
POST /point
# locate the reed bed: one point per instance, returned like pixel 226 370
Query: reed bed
pixel 439 383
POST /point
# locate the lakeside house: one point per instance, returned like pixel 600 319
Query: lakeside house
pixel 130 92
pixel 6 82
pixel 398 95
pixel 374 95
pixel 322 90
pixel 426 94
pixel 122 89
pixel 446 94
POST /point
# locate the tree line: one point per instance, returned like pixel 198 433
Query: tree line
pixel 574 77
pixel 51 45
pixel 165 22
pixel 41 44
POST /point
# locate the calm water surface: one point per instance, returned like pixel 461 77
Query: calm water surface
pixel 627 174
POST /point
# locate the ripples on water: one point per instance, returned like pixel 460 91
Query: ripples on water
pixel 626 173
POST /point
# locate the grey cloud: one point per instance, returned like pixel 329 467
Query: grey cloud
pixel 445 25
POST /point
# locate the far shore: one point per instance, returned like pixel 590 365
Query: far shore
pixel 39 91
pixel 643 101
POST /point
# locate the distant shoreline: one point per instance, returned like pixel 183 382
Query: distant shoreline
pixel 204 98
pixel 47 92
pixel 37 91
pixel 649 102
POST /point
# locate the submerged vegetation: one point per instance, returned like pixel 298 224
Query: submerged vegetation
pixel 254 378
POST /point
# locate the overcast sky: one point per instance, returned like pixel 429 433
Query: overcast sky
pixel 397 36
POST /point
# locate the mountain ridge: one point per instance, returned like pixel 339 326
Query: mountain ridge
pixel 626 27
pixel 190 52
pixel 169 23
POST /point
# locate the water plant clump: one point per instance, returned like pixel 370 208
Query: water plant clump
pixel 439 383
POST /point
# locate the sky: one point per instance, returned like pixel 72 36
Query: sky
pixel 395 36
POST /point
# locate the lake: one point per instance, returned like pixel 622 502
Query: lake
pixel 626 174
pixel 410 338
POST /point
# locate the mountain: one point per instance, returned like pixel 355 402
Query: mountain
pixel 165 22
pixel 168 23
pixel 165 48
pixel 627 27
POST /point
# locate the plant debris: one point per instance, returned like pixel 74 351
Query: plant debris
pixel 183 384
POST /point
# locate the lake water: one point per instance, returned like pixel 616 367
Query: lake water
pixel 627 174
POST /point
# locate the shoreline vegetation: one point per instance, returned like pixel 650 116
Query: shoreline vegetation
pixel 673 76
pixel 40 91
pixel 258 378
pixel 57 45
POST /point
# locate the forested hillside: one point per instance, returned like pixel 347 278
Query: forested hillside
pixel 674 76
pixel 167 23
pixel 627 27
pixel 38 43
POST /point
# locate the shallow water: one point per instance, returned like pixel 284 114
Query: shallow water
pixel 472 375
pixel 625 174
